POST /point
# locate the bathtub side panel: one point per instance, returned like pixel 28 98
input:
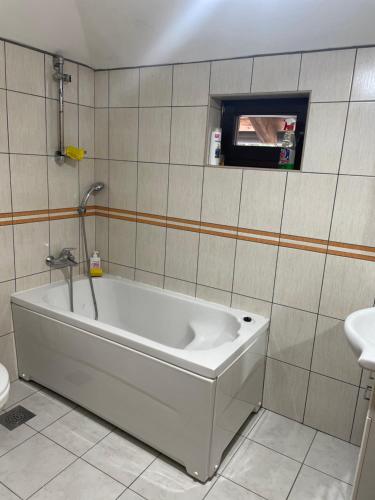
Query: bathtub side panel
pixel 164 406
pixel 238 393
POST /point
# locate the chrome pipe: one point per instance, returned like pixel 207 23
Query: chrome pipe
pixel 61 77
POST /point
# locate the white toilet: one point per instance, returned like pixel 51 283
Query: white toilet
pixel 4 385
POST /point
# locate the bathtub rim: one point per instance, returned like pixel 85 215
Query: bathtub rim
pixel 209 363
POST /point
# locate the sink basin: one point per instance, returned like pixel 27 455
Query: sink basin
pixel 360 331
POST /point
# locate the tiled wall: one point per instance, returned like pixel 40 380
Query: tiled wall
pixel 298 246
pixel 37 196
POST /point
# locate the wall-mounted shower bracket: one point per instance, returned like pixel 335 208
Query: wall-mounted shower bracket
pixel 61 78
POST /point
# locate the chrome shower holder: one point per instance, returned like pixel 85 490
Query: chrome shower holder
pixel 61 78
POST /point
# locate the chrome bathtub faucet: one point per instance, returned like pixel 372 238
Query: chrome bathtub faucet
pixel 64 259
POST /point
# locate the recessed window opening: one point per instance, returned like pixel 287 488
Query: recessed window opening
pixel 264 132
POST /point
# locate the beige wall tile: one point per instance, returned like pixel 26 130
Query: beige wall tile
pixel 121 242
pixel 50 83
pixel 179 286
pixel 27 124
pixel 2 65
pixel 25 69
pixel 251 305
pixel 150 252
pixel 330 406
pixel 285 388
pixel 123 87
pixel 324 137
pixel 6 323
pixel 101 89
pixel 352 218
pixel 262 200
pixel 33 281
pixel 90 236
pixel 308 205
pixel 155 86
pixel 232 76
pixel 5 192
pixel 327 74
pixel 123 185
pixel 213 295
pixel 65 233
pixel 221 195
pixel 8 355
pixel 332 354
pixel 255 267
pixel 149 278
pixel 6 251
pixel 299 277
pixel 86 176
pixel 87 130
pixel 181 254
pixel 29 182
pixel 154 134
pixel 102 237
pixel 185 191
pixel 188 135
pixel 348 285
pixel 86 86
pixel 191 84
pixel 70 125
pixel 276 73
pixel 3 123
pixel 152 188
pixel 364 75
pixel 123 271
pixel 66 176
pixel 123 134
pixel 101 133
pixel 31 247
pixel 101 173
pixel 216 261
pixel 292 336
pixel 359 149
pixel 359 418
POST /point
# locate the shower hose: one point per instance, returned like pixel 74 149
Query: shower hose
pixel 87 260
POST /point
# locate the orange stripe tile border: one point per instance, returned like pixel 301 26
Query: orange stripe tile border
pixel 305 243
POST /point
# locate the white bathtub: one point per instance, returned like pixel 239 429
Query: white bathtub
pixel 178 373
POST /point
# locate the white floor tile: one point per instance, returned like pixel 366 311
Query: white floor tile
pixel 120 456
pixel 6 494
pixel 262 471
pixel 130 495
pixel 80 481
pixel 10 439
pixel 19 390
pixel 224 489
pixel 32 464
pixel 283 435
pixel 165 480
pixel 334 457
pixel 314 485
pixel 78 431
pixel 45 408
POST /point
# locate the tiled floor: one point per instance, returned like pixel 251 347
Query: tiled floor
pixel 67 453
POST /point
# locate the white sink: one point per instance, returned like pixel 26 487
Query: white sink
pixel 360 331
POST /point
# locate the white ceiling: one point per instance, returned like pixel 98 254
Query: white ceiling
pixel 120 33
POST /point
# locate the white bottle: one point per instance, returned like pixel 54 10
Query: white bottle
pixel 95 264
pixel 215 147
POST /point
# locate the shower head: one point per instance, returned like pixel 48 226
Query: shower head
pixel 93 189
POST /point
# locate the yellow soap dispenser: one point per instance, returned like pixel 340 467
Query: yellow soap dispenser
pixel 95 265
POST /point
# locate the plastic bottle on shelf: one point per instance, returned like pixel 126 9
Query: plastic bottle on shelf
pixel 215 147
pixel 288 148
